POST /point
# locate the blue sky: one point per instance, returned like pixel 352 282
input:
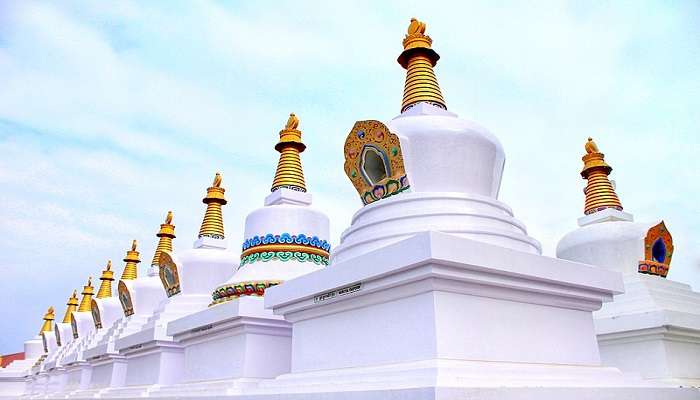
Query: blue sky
pixel 112 113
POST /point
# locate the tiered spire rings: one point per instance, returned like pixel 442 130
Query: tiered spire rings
pixel 107 277
pixel 289 173
pixel 418 58
pixel 86 301
pixel 72 306
pixel 600 193
pixel 47 326
pixel 131 260
pixel 213 223
pixel 166 235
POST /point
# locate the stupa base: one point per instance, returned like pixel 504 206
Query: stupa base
pixel 653 329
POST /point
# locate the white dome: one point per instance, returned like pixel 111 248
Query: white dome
pixel 617 245
pixel 444 153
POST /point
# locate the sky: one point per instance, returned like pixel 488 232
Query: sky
pixel 113 113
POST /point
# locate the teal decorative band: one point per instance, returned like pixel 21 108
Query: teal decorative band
pixel 286 238
pixel 284 256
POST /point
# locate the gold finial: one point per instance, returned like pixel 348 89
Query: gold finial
pixel 88 291
pixel 166 236
pixel 418 58
pixel 416 27
pixel 47 326
pixel 591 147
pixel 599 191
pixel 72 306
pixel 131 260
pixel 289 173
pixel 107 277
pixel 292 122
pixel 213 223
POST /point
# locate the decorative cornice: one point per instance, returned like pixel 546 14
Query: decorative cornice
pixel 233 291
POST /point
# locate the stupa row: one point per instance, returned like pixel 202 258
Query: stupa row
pixel 436 291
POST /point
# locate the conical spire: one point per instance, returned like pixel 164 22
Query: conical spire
pixel 86 301
pixel 213 223
pixel 131 260
pixel 72 306
pixel 166 235
pixel 289 173
pixel 418 58
pixel 47 326
pixel 600 193
pixel 107 277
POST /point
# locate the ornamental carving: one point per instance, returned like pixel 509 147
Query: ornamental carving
pixel 125 299
pixel 374 162
pixel 169 276
pixel 658 250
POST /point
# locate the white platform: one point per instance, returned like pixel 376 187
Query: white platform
pixel 426 318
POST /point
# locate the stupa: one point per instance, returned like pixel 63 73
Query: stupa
pixel 153 359
pixel 653 329
pixel 138 296
pixel 13 378
pixel 435 290
pixel 284 239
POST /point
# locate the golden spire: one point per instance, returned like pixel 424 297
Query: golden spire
pixel 213 223
pixel 47 326
pixel 600 193
pixel 166 235
pixel 418 58
pixel 86 301
pixel 107 277
pixel 72 306
pixel 289 173
pixel 131 259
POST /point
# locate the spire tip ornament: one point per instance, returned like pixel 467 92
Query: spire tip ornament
pixel 47 326
pixel 165 235
pixel 131 260
pixel 213 223
pixel 418 58
pixel 107 277
pixel 86 301
pixel 599 191
pixel 289 173
pixel 72 306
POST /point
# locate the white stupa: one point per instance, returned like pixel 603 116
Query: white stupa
pixel 284 239
pixel 153 359
pixel 14 378
pixel 435 290
pixel 654 327
pixel 138 296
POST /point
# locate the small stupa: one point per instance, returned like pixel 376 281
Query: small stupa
pixel 188 278
pixel 284 239
pixel 653 328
